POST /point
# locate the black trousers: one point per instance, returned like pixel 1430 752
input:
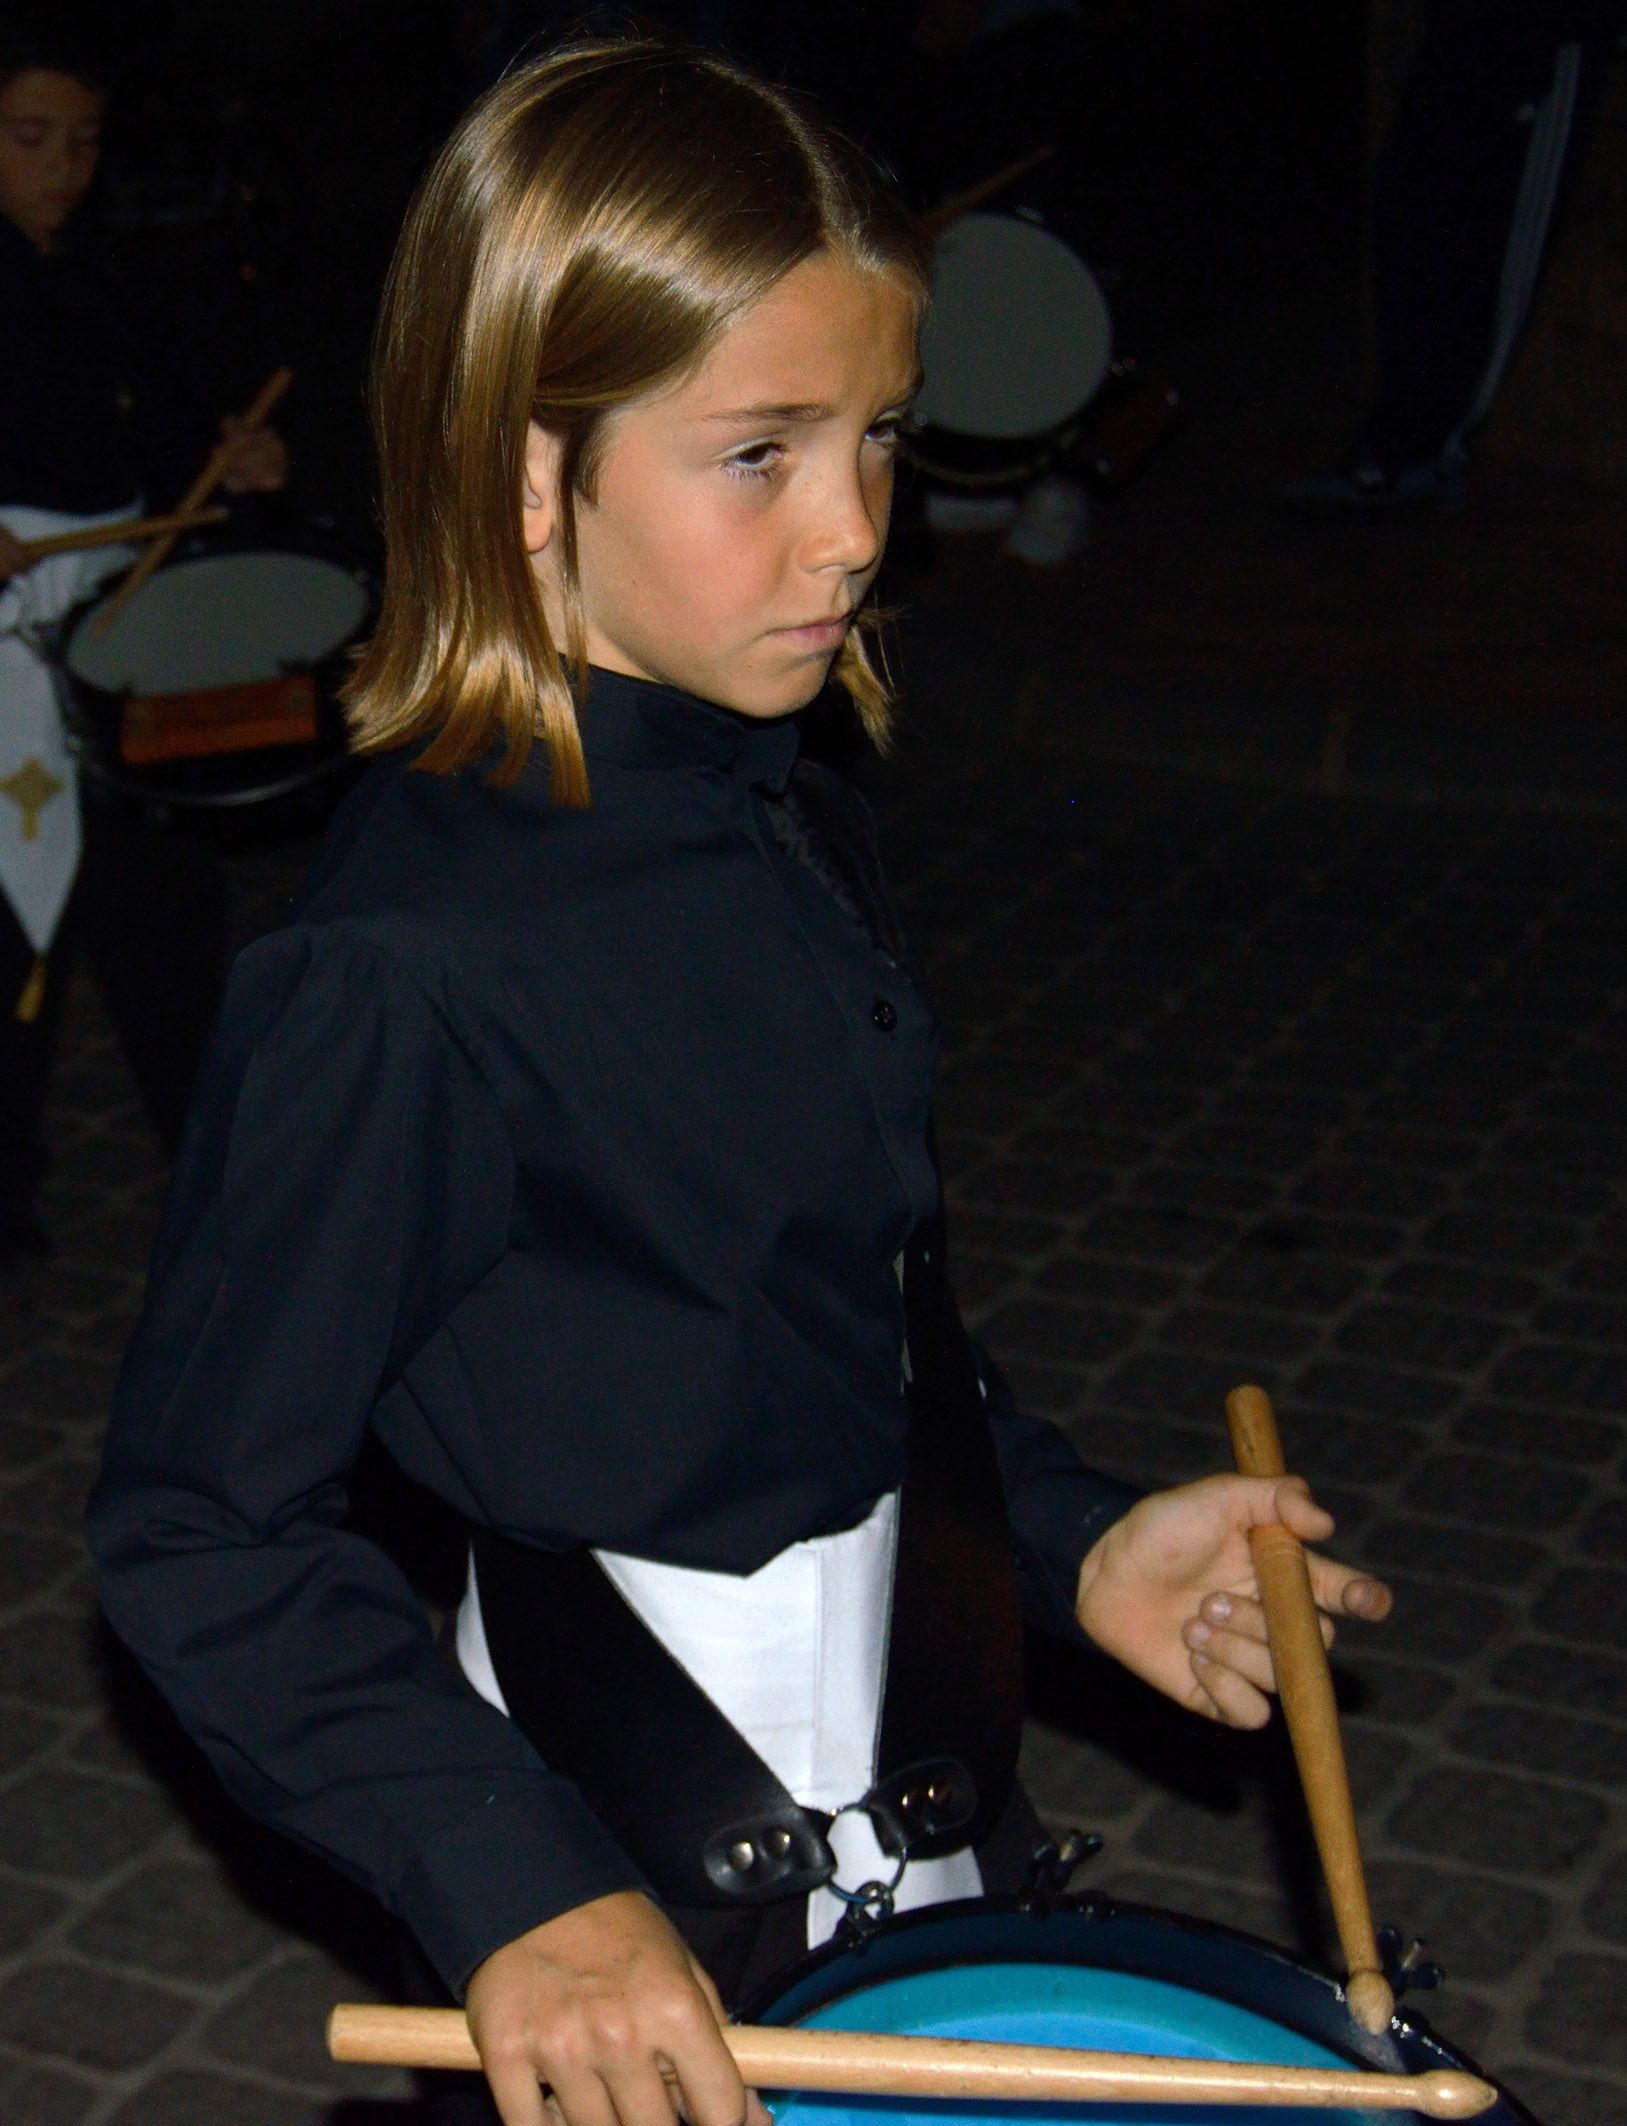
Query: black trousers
pixel 1467 192
pixel 148 912
pixel 743 1951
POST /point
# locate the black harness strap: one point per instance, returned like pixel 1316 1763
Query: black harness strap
pixel 692 1803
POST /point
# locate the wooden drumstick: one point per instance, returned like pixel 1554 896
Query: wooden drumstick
pixel 217 466
pixel 1305 1687
pixel 936 219
pixel 863 2063
pixel 127 531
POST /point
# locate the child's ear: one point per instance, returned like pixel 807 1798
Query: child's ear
pixel 539 502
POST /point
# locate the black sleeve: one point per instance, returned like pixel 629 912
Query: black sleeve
pixel 346 1177
pixel 1056 1505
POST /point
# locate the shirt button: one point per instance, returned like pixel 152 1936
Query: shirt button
pixel 883 1015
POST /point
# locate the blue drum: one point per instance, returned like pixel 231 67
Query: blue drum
pixel 1088 1973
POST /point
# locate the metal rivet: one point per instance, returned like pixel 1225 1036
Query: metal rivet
pixel 742 1855
pixel 779 1842
pixel 940 1795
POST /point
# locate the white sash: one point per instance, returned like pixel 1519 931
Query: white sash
pixel 39 777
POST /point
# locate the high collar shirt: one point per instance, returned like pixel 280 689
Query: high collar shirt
pixel 570 1151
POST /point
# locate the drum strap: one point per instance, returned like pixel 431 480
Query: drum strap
pixel 689 1799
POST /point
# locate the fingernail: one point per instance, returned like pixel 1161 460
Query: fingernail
pixel 1218 1608
pixel 1197 1633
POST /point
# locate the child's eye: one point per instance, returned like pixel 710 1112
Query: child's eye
pixel 758 461
pixel 894 428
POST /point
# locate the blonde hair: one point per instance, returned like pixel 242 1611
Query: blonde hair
pixel 596 221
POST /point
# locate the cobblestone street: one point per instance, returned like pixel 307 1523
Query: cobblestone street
pixel 1242 1082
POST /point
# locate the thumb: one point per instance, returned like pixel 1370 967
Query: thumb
pixel 1293 1505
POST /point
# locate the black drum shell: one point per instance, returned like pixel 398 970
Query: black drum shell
pixel 1135 1939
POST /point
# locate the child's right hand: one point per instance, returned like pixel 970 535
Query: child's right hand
pixel 605 2004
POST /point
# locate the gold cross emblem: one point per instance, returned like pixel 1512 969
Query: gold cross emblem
pixel 31 789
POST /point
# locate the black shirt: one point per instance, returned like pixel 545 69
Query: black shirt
pixel 571 1150
pixel 96 398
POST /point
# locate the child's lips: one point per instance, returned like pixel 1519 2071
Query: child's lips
pixel 818 634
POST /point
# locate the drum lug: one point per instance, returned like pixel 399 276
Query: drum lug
pixel 856 1926
pixel 1052 1866
pixel 1409 1968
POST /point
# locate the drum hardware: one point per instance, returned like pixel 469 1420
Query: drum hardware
pixel 1411 1969
pixel 1053 1865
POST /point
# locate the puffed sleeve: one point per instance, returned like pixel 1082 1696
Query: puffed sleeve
pixel 1057 1506
pixel 347 1177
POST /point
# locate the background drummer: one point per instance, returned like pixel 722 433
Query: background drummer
pixel 95 413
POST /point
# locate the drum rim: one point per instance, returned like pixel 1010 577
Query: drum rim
pixel 800 1989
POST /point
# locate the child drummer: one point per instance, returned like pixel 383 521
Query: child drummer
pixel 573 1136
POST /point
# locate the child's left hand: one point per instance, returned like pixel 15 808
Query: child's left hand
pixel 1170 1591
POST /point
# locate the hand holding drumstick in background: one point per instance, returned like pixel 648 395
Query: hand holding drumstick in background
pixel 1170 1591
pixel 258 457
pixel 256 463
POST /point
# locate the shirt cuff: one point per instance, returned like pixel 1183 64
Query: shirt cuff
pixel 510 1865
pixel 1064 1514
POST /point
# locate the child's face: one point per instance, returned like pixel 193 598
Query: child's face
pixel 740 516
pixel 50 135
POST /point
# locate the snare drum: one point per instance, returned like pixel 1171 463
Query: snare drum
pixel 1016 343
pixel 1086 1973
pixel 215 689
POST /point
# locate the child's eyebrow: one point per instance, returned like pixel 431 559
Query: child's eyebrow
pixel 806 411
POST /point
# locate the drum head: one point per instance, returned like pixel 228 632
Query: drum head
pixel 1055 2004
pixel 1017 337
pixel 1092 1975
pixel 219 621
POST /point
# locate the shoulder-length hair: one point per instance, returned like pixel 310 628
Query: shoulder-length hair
pixel 596 221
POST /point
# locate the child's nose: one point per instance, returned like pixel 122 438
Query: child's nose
pixel 853 528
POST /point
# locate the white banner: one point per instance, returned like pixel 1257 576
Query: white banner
pixel 39 778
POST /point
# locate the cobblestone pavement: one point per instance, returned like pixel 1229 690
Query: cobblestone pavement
pixel 1331 1093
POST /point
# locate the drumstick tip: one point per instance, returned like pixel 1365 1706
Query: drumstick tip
pixel 1370 2000
pixel 1449 2093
